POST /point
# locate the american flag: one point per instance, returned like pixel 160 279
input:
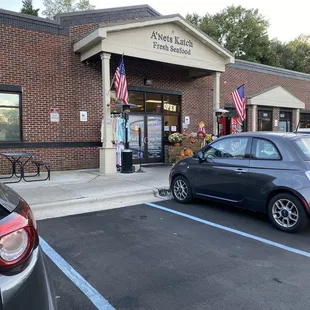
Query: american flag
pixel 239 102
pixel 121 82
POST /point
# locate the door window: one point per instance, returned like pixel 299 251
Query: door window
pixel 154 137
pixel 136 122
pixel 304 120
pixel 265 150
pixel 171 115
pixel 264 121
pixel 228 148
pixel 285 121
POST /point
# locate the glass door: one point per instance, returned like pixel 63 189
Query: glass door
pixel 264 121
pixel 154 139
pixel 151 149
pixel 136 121
pixel 285 121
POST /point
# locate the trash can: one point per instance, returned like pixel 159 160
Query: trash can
pixel 126 161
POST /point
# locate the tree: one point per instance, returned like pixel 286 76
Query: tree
pixel 54 7
pixel 28 8
pixel 242 31
pixel 300 48
pixel 294 55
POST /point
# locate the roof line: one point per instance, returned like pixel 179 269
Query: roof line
pixel 107 10
pixel 264 91
pixel 31 17
pixel 271 88
pixel 140 20
pixel 166 17
pixel 254 66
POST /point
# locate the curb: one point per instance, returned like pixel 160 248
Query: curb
pixel 92 204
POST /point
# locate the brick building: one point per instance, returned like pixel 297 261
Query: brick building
pixel 55 79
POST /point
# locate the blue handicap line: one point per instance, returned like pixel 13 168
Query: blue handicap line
pixel 91 293
pixel 235 231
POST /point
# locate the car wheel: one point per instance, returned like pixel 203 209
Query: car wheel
pixel 181 190
pixel 287 213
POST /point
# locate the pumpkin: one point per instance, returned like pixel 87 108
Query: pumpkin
pixel 187 152
pixel 182 153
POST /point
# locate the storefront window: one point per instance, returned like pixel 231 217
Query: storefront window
pixel 138 100
pixel 304 120
pixel 153 103
pixel 10 124
pixel 264 120
pixel 171 115
pixel 285 121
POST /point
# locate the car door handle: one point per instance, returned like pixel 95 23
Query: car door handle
pixel 239 171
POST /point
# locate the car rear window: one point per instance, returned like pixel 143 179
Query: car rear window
pixel 302 145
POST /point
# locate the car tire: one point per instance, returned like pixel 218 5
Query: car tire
pixel 287 213
pixel 181 190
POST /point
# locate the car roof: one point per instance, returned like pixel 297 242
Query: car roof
pixel 269 135
pixel 303 130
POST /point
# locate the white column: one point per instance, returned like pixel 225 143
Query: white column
pixel 297 118
pixel 254 117
pixel 107 151
pixel 216 98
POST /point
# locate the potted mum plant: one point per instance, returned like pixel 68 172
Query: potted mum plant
pixel 175 138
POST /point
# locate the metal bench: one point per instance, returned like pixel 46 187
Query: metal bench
pixel 39 164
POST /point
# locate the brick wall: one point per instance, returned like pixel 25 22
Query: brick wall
pixel 51 75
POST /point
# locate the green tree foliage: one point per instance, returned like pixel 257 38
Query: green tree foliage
pixel 28 8
pixel 244 33
pixel 241 31
pixel 54 7
pixel 300 49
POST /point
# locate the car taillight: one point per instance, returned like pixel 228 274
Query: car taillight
pixel 18 237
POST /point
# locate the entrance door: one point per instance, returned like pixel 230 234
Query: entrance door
pixel 285 121
pixel 136 121
pixel 264 120
pixel 154 139
pixel 151 150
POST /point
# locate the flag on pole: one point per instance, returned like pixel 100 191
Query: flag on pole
pixel 120 82
pixel 239 102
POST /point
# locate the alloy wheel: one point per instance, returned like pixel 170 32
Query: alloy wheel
pixel 180 189
pixel 285 213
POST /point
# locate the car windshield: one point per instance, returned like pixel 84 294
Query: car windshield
pixel 303 146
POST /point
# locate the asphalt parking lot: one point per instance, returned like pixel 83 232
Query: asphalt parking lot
pixel 142 257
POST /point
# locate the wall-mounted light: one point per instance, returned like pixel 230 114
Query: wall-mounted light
pixel 148 82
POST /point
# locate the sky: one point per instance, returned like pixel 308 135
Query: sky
pixel 287 20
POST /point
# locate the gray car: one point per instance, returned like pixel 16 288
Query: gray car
pixel 263 171
pixel 24 282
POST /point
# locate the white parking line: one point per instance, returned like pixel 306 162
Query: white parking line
pixel 235 231
pixel 96 298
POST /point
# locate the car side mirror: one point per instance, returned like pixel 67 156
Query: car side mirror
pixel 200 156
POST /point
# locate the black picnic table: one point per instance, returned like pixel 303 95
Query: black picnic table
pixel 20 159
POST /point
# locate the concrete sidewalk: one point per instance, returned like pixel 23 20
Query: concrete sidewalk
pixel 74 192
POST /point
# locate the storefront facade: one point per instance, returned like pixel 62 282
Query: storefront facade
pixel 55 85
pixel 277 99
pixel 167 41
